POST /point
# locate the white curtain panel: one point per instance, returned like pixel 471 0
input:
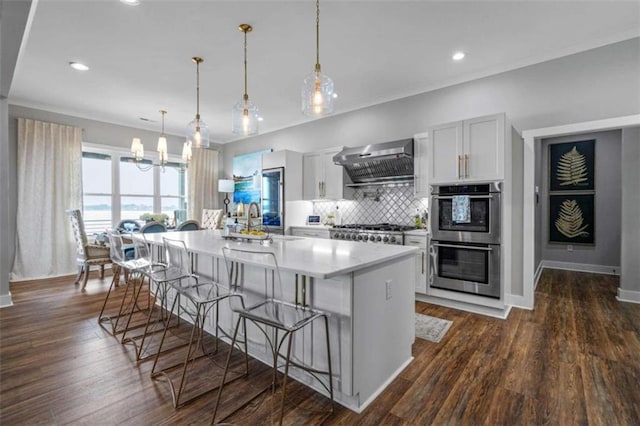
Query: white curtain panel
pixel 49 182
pixel 202 182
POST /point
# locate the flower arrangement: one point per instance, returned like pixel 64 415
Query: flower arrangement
pixel 154 217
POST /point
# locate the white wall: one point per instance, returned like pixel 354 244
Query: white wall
pixel 630 273
pixel 591 85
pixel 605 253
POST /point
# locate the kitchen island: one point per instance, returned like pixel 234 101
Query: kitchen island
pixel 366 289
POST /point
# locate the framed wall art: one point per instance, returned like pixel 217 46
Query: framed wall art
pixel 572 219
pixel 247 177
pixel 572 166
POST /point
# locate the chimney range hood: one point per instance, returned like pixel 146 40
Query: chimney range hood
pixel 378 164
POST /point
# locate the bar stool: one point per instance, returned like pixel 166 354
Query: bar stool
pixel 200 298
pixel 270 313
pixel 159 275
pixel 133 281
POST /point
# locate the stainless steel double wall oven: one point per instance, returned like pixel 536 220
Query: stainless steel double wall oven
pixel 465 254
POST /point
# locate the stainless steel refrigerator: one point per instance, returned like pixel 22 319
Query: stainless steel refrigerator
pixel 272 202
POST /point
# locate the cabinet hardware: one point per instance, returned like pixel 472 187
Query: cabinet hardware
pixel 459 166
pixel 450 197
pixel 296 290
pixel 466 165
pixel 422 263
pixel 462 247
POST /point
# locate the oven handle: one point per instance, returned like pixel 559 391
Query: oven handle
pixel 450 197
pixel 462 247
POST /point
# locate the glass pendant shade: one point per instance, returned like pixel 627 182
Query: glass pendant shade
pixel 245 118
pixel 317 95
pixel 198 133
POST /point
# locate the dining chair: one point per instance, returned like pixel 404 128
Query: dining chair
pixel 128 225
pixel 199 298
pixel 87 255
pixel 153 227
pixel 271 312
pixel 189 225
pixel 212 219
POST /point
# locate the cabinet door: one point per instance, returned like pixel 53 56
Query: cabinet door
pixel 444 153
pixel 312 176
pixel 332 186
pixel 420 165
pixel 484 148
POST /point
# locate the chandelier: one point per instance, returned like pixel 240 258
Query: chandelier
pixel 137 149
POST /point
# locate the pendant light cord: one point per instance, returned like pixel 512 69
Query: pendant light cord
pixel 317 35
pixel 246 96
pixel 198 89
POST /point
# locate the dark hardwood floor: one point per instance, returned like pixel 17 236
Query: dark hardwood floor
pixel 575 359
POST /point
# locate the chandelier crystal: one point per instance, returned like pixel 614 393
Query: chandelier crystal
pixel 245 113
pixel 317 88
pixel 197 130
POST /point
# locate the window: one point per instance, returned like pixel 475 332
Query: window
pixel 114 188
pixel 96 191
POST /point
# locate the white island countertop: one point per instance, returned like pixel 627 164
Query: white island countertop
pixel 319 258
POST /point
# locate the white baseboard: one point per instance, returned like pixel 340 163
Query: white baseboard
pixel 5 300
pixel 518 302
pixel 581 267
pixel 536 276
pixel 628 296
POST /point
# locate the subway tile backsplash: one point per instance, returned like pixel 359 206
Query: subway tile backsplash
pixel 376 205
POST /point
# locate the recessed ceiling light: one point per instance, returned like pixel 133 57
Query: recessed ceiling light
pixel 130 2
pixel 260 119
pixel 78 66
pixel 335 95
pixel 458 56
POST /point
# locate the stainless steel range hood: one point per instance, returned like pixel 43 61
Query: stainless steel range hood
pixel 378 164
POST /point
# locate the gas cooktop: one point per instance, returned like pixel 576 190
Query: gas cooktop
pixel 383 233
pixel 389 227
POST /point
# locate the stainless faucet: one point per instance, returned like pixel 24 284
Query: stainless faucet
pixel 249 214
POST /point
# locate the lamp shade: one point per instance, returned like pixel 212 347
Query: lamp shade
pixel 245 118
pixel 226 185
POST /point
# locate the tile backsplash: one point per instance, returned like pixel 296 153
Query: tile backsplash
pixel 376 205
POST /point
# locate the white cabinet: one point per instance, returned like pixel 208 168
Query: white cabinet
pixel 422 263
pixel 420 165
pixel 308 231
pixel 322 178
pixel 469 150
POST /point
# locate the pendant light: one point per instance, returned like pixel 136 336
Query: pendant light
pixel 162 143
pixel 317 88
pixel 197 130
pixel 245 113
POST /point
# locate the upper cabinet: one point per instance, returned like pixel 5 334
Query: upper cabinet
pixel 469 150
pixel 322 179
pixel 420 162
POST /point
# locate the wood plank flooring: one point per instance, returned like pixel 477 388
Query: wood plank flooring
pixel 575 359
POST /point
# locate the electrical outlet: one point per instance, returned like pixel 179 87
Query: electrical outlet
pixel 388 285
pixel 569 247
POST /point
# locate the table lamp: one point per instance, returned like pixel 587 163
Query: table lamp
pixel 226 186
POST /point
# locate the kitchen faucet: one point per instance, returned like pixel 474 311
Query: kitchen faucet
pixel 253 203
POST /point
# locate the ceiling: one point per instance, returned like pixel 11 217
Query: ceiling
pixel 375 51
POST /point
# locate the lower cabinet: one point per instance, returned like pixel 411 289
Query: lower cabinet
pixel 422 263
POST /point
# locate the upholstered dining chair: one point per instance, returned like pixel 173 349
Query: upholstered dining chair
pixel 212 219
pixel 188 225
pixel 87 255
